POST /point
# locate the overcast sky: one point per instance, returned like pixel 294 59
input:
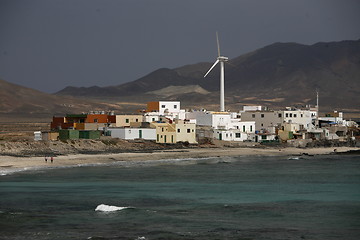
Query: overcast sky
pixel 51 44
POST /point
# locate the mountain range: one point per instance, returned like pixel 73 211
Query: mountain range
pixel 281 74
pixel 278 75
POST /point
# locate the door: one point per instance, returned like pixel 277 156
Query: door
pixel 220 136
pixel 140 133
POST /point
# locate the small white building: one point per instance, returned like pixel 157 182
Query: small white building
pixel 133 133
pixel 168 109
pixel 233 135
pixel 225 126
pixel 303 117
pixel 163 107
pixel 37 136
pixel 216 120
pixel 151 117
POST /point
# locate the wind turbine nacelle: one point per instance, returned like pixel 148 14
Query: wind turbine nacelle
pixel 223 59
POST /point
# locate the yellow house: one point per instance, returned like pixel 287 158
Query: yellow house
pixel 165 133
pixel 185 131
pixel 126 120
pixel 180 131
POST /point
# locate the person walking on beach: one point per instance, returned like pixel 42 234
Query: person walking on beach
pixel 45 159
pixel 52 159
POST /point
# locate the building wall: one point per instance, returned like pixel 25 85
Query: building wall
pixel 298 116
pixel 97 118
pixel 152 107
pixel 202 118
pixel 263 119
pixel 253 108
pixel 247 127
pixel 165 133
pixel 133 133
pixel 126 120
pixel 151 117
pixel 57 122
pixel 185 132
pixel 211 119
pixel 231 135
pixel 169 106
pixel 162 106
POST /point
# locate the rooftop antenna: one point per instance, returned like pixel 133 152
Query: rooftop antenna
pixel 220 59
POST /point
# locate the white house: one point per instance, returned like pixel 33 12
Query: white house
pixel 216 120
pixel 169 109
pixel 163 107
pixel 133 133
pixel 225 126
pixel 303 117
pixel 233 135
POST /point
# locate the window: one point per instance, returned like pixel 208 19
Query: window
pixel 301 115
pixel 175 106
pixel 295 115
pixel 153 119
pixel 279 115
pixel 287 115
pixel 262 124
pixel 253 116
pixel 95 120
pixel 178 130
pixel 162 106
pixel 162 129
pixel 157 137
pixel 263 137
pixel 127 120
pixel 250 128
pixel 244 128
pixel 237 135
pixel 192 130
pixel 262 115
pixel 290 114
pixel 188 130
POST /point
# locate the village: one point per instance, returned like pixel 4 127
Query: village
pixel 164 122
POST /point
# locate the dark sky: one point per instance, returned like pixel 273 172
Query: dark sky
pixel 51 44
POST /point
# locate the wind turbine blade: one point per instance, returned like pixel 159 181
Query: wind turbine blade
pixel 217 61
pixel 218 44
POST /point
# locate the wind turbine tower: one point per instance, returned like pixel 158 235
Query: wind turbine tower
pixel 222 60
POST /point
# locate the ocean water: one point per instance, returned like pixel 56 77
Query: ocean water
pixel 311 197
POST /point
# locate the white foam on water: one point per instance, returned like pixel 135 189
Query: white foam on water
pixel 141 238
pixel 108 208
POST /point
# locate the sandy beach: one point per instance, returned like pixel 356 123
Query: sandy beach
pixel 13 164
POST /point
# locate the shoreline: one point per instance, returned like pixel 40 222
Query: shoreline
pixel 10 164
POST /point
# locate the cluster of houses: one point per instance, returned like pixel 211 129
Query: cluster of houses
pixel 166 122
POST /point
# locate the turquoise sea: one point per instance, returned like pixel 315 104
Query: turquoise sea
pixel 310 197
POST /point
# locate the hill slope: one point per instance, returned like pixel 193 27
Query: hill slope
pixel 15 99
pixel 280 74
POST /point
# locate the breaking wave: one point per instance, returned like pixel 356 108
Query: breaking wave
pixel 108 208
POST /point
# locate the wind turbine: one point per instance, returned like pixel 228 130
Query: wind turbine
pixel 220 59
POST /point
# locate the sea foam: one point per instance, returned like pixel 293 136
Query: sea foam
pixel 107 208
